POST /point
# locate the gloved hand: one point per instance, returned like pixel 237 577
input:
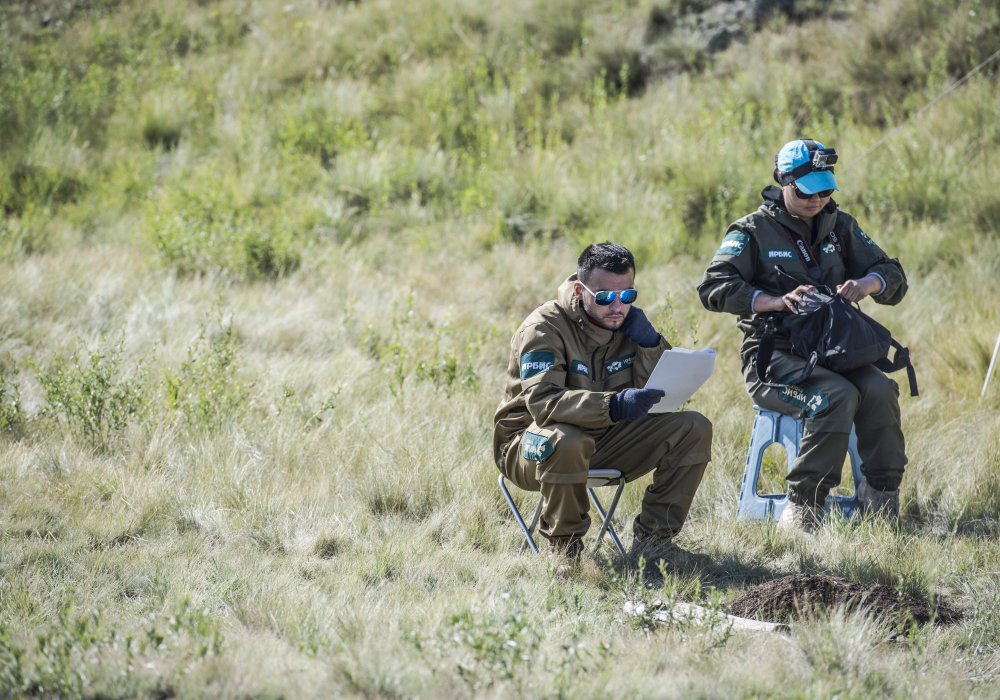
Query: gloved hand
pixel 632 404
pixel 638 328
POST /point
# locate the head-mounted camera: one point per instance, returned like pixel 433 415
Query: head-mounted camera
pixel 819 159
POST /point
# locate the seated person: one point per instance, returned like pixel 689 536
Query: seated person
pixel 574 402
pixel 800 227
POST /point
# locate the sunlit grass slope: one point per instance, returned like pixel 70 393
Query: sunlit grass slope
pixel 259 267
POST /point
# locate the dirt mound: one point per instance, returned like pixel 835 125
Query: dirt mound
pixel 803 595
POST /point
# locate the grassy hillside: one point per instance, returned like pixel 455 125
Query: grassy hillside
pixel 259 266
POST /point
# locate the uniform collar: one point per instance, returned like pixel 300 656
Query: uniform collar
pixel 774 207
pixel 573 307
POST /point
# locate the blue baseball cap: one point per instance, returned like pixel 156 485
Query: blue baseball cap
pixel 807 163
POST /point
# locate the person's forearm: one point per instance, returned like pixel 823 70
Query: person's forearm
pixel 763 303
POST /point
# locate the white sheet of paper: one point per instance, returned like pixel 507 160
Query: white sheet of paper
pixel 680 372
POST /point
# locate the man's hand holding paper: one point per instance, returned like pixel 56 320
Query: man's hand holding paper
pixel 679 373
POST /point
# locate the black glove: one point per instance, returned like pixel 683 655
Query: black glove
pixel 632 404
pixel 638 328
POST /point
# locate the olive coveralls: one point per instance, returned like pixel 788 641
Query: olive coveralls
pixel 828 402
pixel 554 424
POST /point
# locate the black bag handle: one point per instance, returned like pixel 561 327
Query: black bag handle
pixel 900 356
pixel 793 282
pixel 900 359
pixel 765 350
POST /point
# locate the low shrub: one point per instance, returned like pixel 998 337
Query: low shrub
pixel 11 414
pixel 205 389
pixel 203 226
pixel 91 395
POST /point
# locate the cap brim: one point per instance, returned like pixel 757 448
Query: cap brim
pixel 816 181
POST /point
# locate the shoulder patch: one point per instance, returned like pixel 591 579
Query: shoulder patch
pixel 619 364
pixel 733 244
pixel 578 367
pixel 862 236
pixel 533 363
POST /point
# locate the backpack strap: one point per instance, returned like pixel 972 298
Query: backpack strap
pixel 900 359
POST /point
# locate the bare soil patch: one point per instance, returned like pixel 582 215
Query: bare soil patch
pixel 804 595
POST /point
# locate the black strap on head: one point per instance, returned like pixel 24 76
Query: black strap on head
pixel 830 154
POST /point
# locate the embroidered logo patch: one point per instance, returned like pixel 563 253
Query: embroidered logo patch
pixel 618 364
pixel 810 401
pixel 862 236
pixel 535 448
pixel 733 244
pixel 780 254
pixel 577 367
pixel 533 363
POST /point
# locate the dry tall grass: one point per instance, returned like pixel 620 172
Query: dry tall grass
pixel 305 232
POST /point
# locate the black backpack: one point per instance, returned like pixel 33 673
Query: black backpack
pixel 828 331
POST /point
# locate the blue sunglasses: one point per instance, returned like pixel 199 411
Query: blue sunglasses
pixel 606 296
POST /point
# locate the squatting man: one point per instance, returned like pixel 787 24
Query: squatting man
pixel 573 402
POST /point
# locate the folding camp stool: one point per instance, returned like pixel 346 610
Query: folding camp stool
pixel 596 478
pixel 771 427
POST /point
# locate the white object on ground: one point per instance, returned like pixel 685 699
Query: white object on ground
pixel 993 363
pixel 689 612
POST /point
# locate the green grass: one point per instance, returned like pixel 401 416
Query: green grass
pixel 259 268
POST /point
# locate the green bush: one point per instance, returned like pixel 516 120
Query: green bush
pixel 315 131
pixel 65 657
pixel 205 390
pixel 203 225
pixel 11 414
pixel 30 185
pixel 437 353
pixel 91 395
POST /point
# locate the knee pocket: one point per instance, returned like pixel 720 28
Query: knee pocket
pixel 562 455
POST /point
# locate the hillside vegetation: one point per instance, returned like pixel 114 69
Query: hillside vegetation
pixel 259 267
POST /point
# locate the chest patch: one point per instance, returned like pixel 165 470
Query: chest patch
pixel 578 367
pixel 785 254
pixel 533 363
pixel 619 364
pixel 733 244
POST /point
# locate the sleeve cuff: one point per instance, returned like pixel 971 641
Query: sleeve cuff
pixel 881 279
pixel 757 293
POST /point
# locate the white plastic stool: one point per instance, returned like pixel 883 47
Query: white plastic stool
pixel 771 427
pixel 595 479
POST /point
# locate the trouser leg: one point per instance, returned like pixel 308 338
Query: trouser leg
pixel 878 424
pixel 555 461
pixel 676 447
pixel 827 403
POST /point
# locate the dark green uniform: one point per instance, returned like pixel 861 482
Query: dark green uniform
pixel 828 402
pixel 554 423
